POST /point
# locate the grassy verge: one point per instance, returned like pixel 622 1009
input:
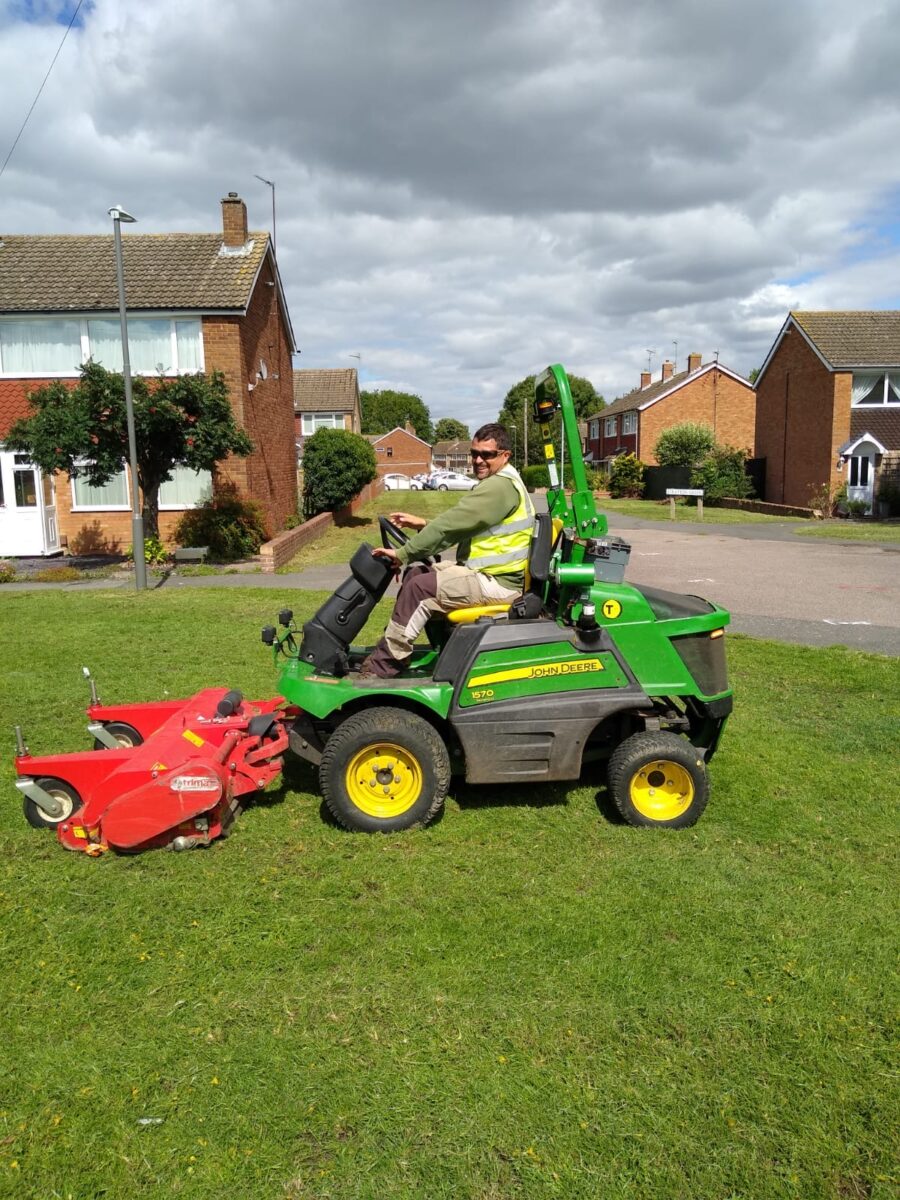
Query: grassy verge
pixel 852 531
pixel 337 544
pixel 526 1000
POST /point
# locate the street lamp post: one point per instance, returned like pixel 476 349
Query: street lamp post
pixel 270 184
pixel 119 215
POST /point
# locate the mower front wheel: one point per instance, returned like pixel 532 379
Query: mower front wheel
pixel 384 770
pixel 658 780
pixel 59 790
pixel 126 735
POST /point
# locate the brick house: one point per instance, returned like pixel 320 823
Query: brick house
pixel 452 455
pixel 711 394
pixel 828 405
pixel 325 399
pixel 402 451
pixel 196 302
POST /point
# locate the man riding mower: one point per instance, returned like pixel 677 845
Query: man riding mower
pixel 539 662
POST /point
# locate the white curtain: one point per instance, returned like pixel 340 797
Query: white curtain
pixel 113 494
pixel 149 345
pixel 862 385
pixel 190 346
pixel 38 347
pixel 186 489
pixel 893 396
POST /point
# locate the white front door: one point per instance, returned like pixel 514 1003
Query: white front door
pixel 861 476
pixel 28 524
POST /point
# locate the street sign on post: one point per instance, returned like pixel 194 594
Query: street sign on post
pixel 673 492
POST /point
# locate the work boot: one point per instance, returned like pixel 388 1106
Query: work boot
pixel 379 664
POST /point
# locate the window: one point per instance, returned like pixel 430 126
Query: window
pixel 30 347
pixel 24 486
pixel 859 471
pixel 629 422
pixel 321 420
pixel 186 489
pixel 609 427
pixel 112 495
pixel 44 346
pixel 871 389
pixel 594 430
pixel 390 451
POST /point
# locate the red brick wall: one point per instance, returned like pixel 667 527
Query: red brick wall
pixel 715 399
pixel 802 417
pixel 409 456
pixel 235 347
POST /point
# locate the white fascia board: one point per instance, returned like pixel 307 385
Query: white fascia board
pixel 399 429
pixel 690 379
pixel 849 447
pixel 790 322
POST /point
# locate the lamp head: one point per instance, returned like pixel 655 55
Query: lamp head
pixel 118 213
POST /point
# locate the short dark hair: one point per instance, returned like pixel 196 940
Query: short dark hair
pixel 493 433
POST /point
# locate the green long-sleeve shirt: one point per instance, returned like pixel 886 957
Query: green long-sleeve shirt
pixel 488 503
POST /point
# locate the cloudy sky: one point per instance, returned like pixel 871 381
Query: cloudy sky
pixel 470 189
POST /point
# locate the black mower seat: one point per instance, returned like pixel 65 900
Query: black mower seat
pixel 546 532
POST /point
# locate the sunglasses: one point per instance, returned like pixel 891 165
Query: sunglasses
pixel 487 455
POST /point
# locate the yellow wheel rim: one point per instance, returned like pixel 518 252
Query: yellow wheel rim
pixel 383 780
pixel 661 790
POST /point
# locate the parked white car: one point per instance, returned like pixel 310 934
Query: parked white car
pixel 396 483
pixel 453 481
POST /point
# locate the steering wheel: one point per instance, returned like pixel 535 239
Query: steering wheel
pixel 393 537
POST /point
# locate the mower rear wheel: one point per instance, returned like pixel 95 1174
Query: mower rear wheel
pixel 126 735
pixel 384 770
pixel 658 780
pixel 64 792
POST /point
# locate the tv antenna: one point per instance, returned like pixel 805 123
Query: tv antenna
pixel 675 363
pixel 650 354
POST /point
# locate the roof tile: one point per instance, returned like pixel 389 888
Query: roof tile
pixel 854 339
pixel 332 390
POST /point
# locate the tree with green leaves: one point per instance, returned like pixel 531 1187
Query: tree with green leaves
pixel 684 445
pixel 518 402
pixel 385 410
pixel 448 429
pixel 182 422
pixel 337 465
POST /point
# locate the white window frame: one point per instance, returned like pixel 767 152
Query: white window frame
pixel 337 421
pixel 76 507
pixel 609 426
pixel 594 431
pixel 894 377
pixel 629 422
pixel 22 318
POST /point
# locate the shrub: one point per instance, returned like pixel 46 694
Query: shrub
pixel 57 575
pixel 337 464
pixel 889 494
pixel 684 445
pixel 857 509
pixel 7 572
pixel 155 553
pixel 231 526
pixel 626 477
pixel 722 474
pixel 827 499
pixel 535 477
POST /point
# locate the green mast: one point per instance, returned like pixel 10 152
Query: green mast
pixel 580 511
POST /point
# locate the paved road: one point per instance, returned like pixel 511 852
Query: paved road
pixel 775 584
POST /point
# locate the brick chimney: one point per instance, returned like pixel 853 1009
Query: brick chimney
pixel 667 369
pixel 694 361
pixel 410 428
pixel 234 220
pixel 645 379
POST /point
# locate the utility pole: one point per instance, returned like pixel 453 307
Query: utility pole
pixel 270 184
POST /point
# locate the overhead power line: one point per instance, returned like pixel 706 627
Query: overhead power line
pixel 41 88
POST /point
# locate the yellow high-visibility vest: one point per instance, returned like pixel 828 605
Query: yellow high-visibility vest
pixel 503 549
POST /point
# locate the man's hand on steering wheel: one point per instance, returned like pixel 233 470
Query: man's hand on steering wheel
pixel 391 538
pixel 408 521
pixel 390 554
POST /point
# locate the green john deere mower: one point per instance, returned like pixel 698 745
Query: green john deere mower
pixel 582 668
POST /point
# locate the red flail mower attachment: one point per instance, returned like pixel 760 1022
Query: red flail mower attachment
pixel 168 774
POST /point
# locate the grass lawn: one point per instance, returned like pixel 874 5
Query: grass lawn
pixel 337 544
pixel 526 1000
pixel 658 510
pixel 852 531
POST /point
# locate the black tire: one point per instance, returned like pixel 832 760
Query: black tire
pixel 658 780
pixel 362 793
pixel 37 818
pixel 442 487
pixel 125 735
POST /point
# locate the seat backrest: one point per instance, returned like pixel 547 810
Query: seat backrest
pixel 539 553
